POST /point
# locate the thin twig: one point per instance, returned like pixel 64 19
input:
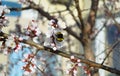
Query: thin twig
pixel 43 73
pixel 58 11
pixel 111 15
pixel 110 50
pixel 79 13
pixel 19 9
pixel 104 25
pixel 78 24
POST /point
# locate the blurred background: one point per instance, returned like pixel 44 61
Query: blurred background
pixel 65 12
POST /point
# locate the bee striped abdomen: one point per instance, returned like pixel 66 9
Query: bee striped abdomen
pixel 59 37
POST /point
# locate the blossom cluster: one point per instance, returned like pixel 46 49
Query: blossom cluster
pixel 12 43
pixel 3 20
pixel 29 67
pixel 32 29
pixel 77 63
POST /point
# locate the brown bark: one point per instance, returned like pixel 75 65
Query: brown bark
pixel 89 54
pixel 87 31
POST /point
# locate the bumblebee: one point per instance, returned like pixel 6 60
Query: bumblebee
pixel 59 37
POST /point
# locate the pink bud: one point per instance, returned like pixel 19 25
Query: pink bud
pixel 75 71
pixel 20 38
pixel 78 60
pixel 72 57
pixel 79 64
pixel 54 48
pixel 67 72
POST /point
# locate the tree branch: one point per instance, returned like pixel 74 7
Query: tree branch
pixel 110 50
pixel 88 29
pixel 107 11
pixel 78 24
pixel 66 55
pixel 92 16
pixel 104 25
pixel 19 9
pixel 68 29
pixel 45 14
pixel 79 14
pixel 93 12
